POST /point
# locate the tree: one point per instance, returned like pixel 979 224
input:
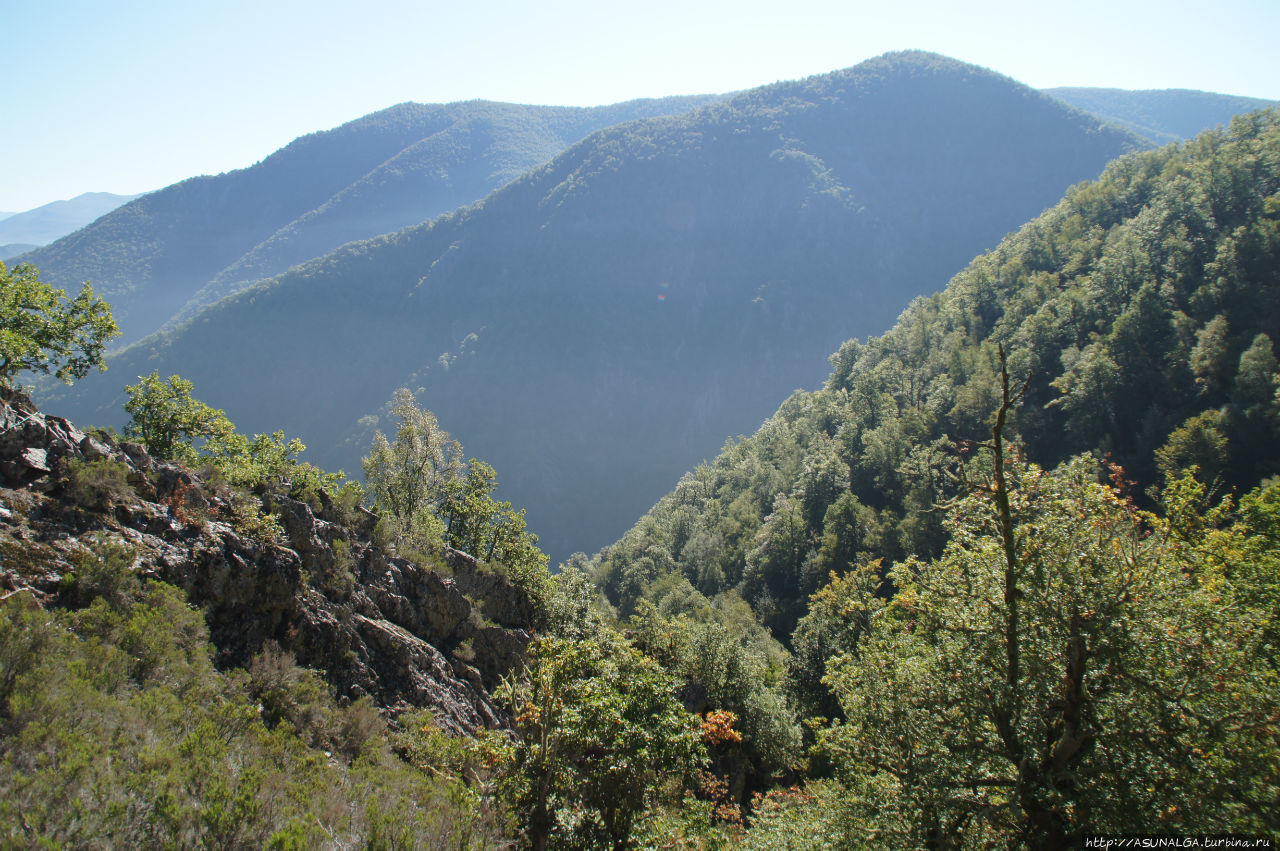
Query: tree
pixel 41 330
pixel 1070 665
pixel 407 477
pixel 599 730
pixel 166 418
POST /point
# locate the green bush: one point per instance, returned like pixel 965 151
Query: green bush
pixel 103 571
pixel 99 485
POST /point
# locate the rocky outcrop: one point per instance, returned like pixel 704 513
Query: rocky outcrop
pixel 437 631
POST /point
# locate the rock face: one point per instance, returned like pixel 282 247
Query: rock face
pixel 437 631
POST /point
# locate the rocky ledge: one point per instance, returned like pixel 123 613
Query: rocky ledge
pixel 436 631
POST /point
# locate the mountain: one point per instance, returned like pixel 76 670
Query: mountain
pixel 15 249
pixel 188 244
pixel 1141 311
pixel 1047 494
pixel 55 220
pixel 601 324
pixel 1161 115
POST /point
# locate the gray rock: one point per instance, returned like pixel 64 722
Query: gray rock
pixel 439 636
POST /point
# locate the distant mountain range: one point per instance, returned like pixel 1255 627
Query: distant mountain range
pixel 1161 115
pixel 163 258
pixel 13 250
pixel 189 244
pixel 602 323
pixel 49 222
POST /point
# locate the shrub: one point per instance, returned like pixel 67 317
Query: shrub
pixel 99 485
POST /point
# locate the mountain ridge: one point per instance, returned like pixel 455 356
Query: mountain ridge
pixel 663 281
pixel 1161 115
pixel 49 222
pixel 153 256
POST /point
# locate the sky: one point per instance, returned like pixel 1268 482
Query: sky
pixel 131 96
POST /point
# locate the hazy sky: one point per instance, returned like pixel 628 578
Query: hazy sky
pixel 129 96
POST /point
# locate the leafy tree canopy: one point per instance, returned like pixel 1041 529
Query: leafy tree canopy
pixel 41 330
pixel 175 426
pixel 1098 670
pixel 166 418
pixel 600 731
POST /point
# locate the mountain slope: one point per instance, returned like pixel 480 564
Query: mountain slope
pixel 601 324
pixel 1141 312
pixel 49 222
pixel 1161 115
pixel 151 257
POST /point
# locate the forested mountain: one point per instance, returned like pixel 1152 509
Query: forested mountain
pixel 188 244
pixel 602 323
pixel 1141 310
pixel 1039 519
pixel 1041 641
pixel 1161 115
pixel 48 222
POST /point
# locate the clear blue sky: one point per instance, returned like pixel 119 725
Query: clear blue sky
pixel 129 96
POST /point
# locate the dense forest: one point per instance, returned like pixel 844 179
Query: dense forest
pixel 1012 577
pixel 1120 347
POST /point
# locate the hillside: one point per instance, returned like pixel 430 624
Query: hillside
pixel 188 244
pixel 1161 115
pixel 244 655
pixel 1054 623
pixel 1141 310
pixel 602 323
pixel 1038 517
pixel 52 221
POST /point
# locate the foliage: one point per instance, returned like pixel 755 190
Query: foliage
pixel 117 730
pixel 798 818
pixel 429 497
pixel 732 665
pixel 407 478
pixel 1141 311
pixel 165 417
pixel 99 484
pixel 833 626
pixel 601 736
pixel 300 697
pixel 41 330
pixel 169 421
pixel 270 458
pixel 251 521
pixel 1069 666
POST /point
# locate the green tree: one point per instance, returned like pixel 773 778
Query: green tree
pixel 166 418
pixel 836 620
pixel 600 731
pixel 1070 665
pixel 41 330
pixel 408 477
pixel 478 524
